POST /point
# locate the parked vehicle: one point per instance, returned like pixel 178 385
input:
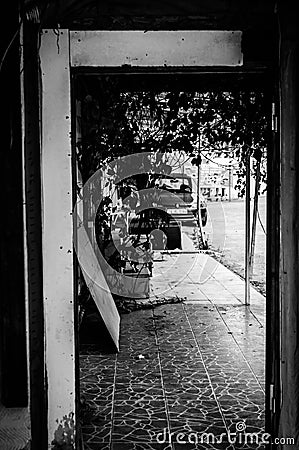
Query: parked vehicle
pixel 168 205
pixel 183 204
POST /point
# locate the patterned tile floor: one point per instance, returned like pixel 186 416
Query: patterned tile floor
pixel 186 373
pixel 14 428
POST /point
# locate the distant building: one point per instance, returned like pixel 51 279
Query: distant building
pixel 217 178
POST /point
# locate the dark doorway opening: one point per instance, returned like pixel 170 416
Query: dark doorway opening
pixel 122 406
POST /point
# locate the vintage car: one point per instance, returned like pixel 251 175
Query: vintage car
pixel 182 205
pixel 169 205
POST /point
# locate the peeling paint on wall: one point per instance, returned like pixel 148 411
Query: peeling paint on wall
pixel 64 435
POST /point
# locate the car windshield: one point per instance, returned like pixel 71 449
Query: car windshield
pixel 177 185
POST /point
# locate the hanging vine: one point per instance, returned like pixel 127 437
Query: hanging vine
pixel 115 123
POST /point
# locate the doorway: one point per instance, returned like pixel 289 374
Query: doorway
pixel 193 365
pixel 69 364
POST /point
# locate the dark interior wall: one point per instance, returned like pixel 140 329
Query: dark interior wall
pixel 13 363
pixel 13 351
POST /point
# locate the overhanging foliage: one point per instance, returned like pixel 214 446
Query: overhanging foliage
pixel 116 123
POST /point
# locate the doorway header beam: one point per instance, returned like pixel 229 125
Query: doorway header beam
pixel 156 48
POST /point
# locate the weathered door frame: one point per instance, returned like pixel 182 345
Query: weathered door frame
pixel 60 52
pixel 57 236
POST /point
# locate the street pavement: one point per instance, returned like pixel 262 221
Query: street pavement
pixel 225 231
pixel 187 368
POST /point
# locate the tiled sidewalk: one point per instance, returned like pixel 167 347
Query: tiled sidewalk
pixel 194 367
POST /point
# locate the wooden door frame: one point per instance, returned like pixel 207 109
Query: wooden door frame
pixel 61 51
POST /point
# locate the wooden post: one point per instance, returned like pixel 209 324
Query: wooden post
pixel 32 169
pixel 57 236
pixel 254 217
pixel 273 309
pixel 198 182
pixel 230 183
pixel 247 230
pixel 289 272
